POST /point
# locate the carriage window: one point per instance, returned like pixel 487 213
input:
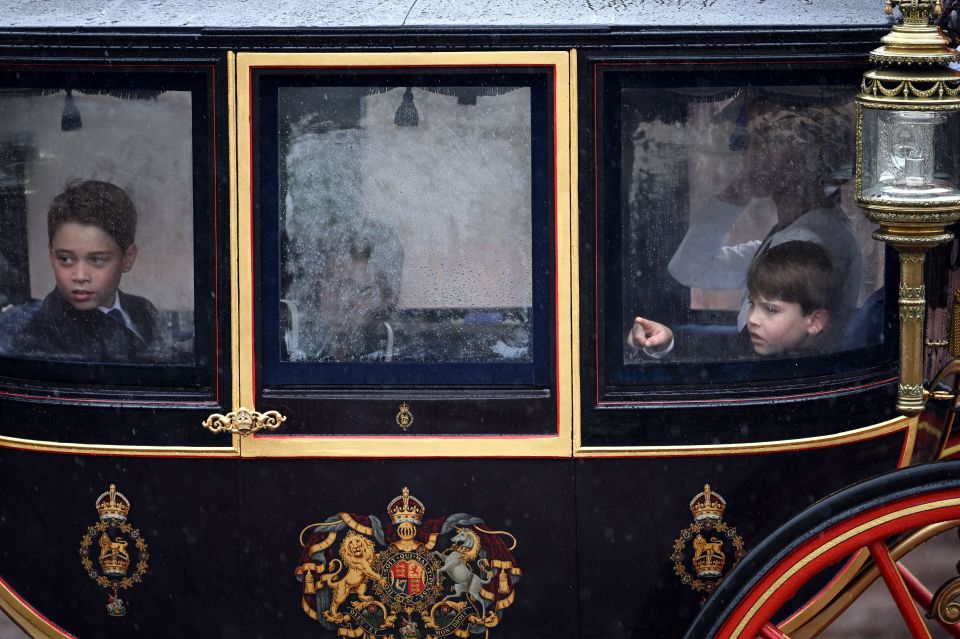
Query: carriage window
pixel 406 211
pixel 97 233
pixel 406 239
pixel 731 231
pixel 409 222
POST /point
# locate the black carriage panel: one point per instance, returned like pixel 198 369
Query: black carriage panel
pixel 113 294
pixel 650 511
pixel 405 216
pixel 736 270
pixel 177 547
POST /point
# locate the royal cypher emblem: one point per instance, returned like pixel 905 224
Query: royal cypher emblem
pixel 404 417
pixel 415 579
pixel 714 544
pixel 117 545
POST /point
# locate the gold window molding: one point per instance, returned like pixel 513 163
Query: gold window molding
pixel 554 444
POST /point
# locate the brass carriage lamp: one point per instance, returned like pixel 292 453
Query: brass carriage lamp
pixel 908 164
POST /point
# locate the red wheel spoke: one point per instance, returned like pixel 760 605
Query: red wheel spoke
pixel 898 590
pixel 924 597
pixel 770 631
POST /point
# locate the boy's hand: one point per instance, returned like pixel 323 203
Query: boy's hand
pixel 652 337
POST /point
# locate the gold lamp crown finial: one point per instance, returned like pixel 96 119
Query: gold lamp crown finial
pixel 916 40
pixel 915 11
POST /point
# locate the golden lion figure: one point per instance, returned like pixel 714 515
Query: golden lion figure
pixel 113 550
pixel 712 548
pixel 356 551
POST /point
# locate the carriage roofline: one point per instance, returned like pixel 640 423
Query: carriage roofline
pixel 417 14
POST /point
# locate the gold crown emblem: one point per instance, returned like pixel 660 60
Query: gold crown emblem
pixel 707 506
pixel 113 505
pixel 708 557
pixel 406 508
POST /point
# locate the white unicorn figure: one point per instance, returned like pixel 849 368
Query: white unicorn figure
pixel 466 546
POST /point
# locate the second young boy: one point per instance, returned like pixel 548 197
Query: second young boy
pixel 792 290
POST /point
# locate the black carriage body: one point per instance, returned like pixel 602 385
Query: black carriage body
pixel 587 459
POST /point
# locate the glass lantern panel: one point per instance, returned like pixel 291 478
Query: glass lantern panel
pixel 910 156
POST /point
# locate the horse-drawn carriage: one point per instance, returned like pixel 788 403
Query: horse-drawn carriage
pixel 440 320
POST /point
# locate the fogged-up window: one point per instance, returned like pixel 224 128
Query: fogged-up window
pixel 735 236
pixel 406 231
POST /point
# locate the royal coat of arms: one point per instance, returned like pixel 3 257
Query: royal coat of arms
pixel 418 578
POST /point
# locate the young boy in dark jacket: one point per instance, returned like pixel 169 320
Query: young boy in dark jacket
pixel 793 291
pixel 91 228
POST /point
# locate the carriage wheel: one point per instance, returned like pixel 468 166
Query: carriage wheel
pixel 864 516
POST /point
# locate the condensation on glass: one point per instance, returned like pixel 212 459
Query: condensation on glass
pixel 725 185
pixel 405 224
pixel 138 143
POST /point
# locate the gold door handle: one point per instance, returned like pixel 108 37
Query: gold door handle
pixel 244 421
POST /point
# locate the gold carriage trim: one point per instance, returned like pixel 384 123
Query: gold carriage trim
pixel 355 525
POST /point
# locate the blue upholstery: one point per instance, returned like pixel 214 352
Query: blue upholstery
pixel 865 326
pixel 12 322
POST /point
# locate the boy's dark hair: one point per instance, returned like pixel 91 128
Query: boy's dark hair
pixel 798 272
pixel 99 204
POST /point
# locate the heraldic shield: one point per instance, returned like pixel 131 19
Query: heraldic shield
pixel 418 578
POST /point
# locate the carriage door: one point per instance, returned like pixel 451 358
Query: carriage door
pixel 404 332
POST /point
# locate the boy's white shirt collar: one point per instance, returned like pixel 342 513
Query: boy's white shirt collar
pixel 126 317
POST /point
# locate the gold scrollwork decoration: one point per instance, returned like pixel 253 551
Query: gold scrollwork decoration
pixel 944 608
pixel 244 421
